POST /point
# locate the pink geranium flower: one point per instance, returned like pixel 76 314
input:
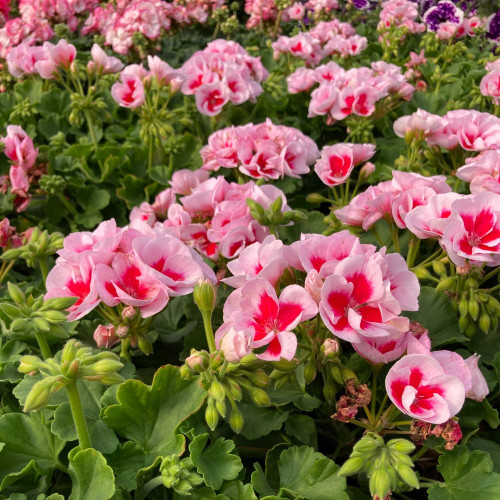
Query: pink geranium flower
pixel 419 386
pixel 129 92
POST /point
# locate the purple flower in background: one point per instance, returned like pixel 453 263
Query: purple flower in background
pixel 493 26
pixel 361 4
pixel 444 11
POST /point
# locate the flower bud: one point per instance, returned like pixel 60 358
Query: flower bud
pixel 336 373
pixel 58 303
pixel 217 390
pixel 473 307
pixel 122 331
pixel 260 397
pixel 105 336
pixel 329 391
pixel 198 361
pixel 446 284
pixel 236 420
pixel 422 273
pixel 401 445
pixel 234 389
pixel 315 198
pixel 463 306
pixel 259 378
pixel 30 364
pixel 463 322
pixel 221 407
pixel 347 373
pixel 284 365
pixel 39 324
pixel 186 373
pixel 310 371
pixel 353 466
pixel 485 322
pixel 380 483
pixel 11 310
pixel 112 379
pixel 204 296
pixel 330 348
pixel 106 366
pixel 19 325
pixel 145 346
pixel 39 395
pixel 439 268
pixel 407 474
pixel 211 414
pixel 367 170
pixel 129 312
pixel 54 317
pixel 16 294
pixel 276 205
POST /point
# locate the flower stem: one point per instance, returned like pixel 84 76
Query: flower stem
pixel 78 416
pixel 207 323
pixel 67 204
pixel 44 267
pixel 149 486
pixel 43 344
pixel 5 269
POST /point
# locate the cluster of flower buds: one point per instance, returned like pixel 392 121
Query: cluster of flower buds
pixel 38 247
pixel 388 466
pixel 77 362
pixel 477 308
pixel 28 315
pixel 225 380
pixel 179 474
pixel 274 216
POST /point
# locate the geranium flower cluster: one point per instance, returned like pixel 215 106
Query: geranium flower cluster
pixel 400 13
pixel 338 161
pixel 432 386
pixel 222 72
pixel 37 18
pixel 263 151
pixel 211 215
pixel 118 23
pixel 358 292
pixel 324 40
pixel 482 172
pixel 124 266
pixel 471 129
pixel 490 83
pixel 355 91
pixel 20 150
pixel 130 91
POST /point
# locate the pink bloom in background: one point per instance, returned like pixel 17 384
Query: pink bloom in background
pixel 337 162
pixel 19 147
pixel 184 181
pixel 419 386
pixel 235 344
pixel 55 57
pixel 256 307
pixel 164 74
pixel 103 63
pixel 211 98
pixel 473 232
pixel 130 92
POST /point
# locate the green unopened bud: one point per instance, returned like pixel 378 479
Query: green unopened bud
pixel 234 389
pixel 221 407
pixel 298 216
pixel 41 325
pixel 463 322
pixel 211 414
pixel 260 397
pixel 369 444
pixel 58 303
pixel 310 371
pixel 236 420
pixel 106 366
pixel 145 345
pixel 422 273
pixel 16 294
pixel 353 466
pixel 401 445
pixel 249 360
pixel 439 268
pixel 112 379
pixel 53 317
pixel 204 296
pixel 259 378
pixel 485 322
pixel 12 254
pixel 19 325
pixel 473 307
pixel 186 372
pixel 471 283
pixel 446 284
pixel 315 198
pixel 217 390
pixel 347 373
pixel 39 395
pixel 380 483
pixel 407 474
pixel 336 373
pixel 69 350
pixel 277 204
pixel 11 310
pixel 30 364
pixel 463 306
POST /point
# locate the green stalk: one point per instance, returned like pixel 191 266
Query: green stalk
pixel 67 204
pixel 151 145
pixel 44 267
pixel 5 269
pixel 90 125
pixel 78 416
pixel 207 323
pixel 43 344
pixel 149 486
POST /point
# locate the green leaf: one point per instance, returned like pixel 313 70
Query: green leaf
pixel 27 440
pixel 92 199
pixel 292 393
pixel 437 315
pixel 259 421
pixel 126 462
pixel 132 190
pixel 490 447
pixel 215 463
pixel 301 427
pixel 236 490
pixel 311 474
pixel 55 101
pixel 92 477
pixel 150 415
pixel 474 412
pixel 467 475
pixel 259 481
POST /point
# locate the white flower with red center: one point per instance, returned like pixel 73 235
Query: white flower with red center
pixel 256 307
pixel 125 282
pixel 473 232
pixel 66 280
pixel 172 263
pixel 356 301
pixel 419 386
